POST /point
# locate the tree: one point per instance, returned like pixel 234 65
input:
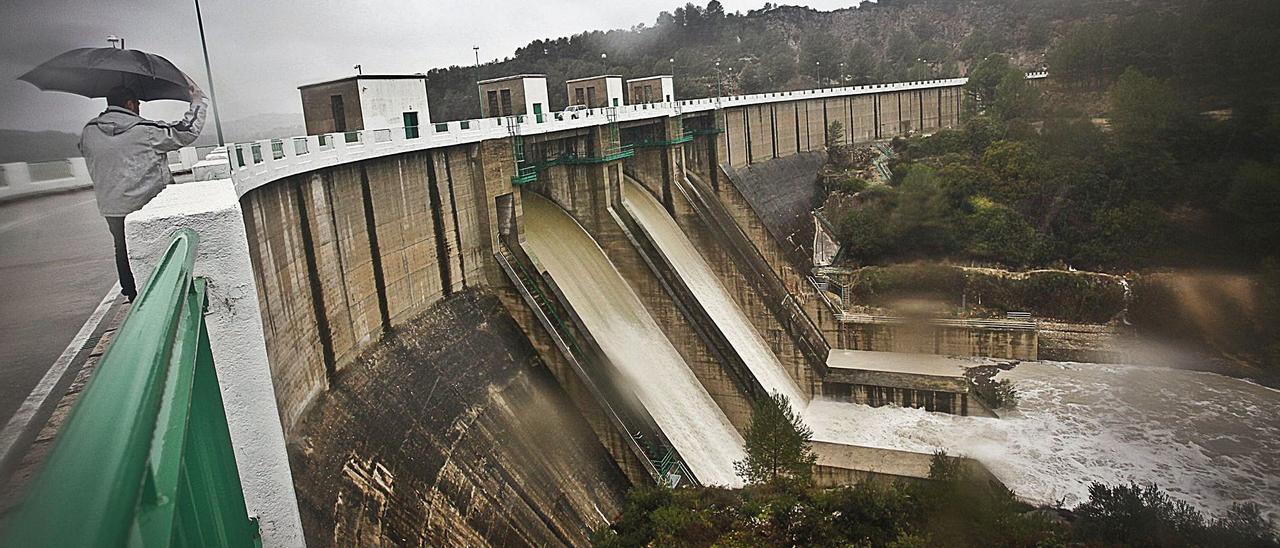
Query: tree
pixel 984 79
pixel 777 443
pixel 1015 97
pixel 864 232
pixel 715 11
pixel 923 220
pixel 1254 200
pixel 1145 111
pixel 819 55
pixel 860 63
pixel 999 233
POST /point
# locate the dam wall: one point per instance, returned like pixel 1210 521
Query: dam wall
pixel 761 132
pixel 346 253
pixel 948 338
pixel 451 431
pixel 352 238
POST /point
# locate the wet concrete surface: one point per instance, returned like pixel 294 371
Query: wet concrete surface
pixel 451 432
pixel 56 263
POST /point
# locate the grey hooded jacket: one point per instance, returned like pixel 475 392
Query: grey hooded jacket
pixel 126 155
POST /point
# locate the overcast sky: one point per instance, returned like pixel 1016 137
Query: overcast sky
pixel 262 50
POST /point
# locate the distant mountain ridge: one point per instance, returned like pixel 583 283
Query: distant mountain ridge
pixel 37 146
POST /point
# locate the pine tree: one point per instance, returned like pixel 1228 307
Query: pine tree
pixel 777 443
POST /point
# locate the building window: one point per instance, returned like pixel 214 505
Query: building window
pixel 506 102
pixel 410 125
pixel 339 113
pixel 493 104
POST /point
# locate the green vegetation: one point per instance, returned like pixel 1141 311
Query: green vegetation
pixel 952 509
pixel 1033 179
pixel 781 48
pixel 777 444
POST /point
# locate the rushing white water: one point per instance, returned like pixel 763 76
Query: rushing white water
pixel 1208 439
pixel 710 293
pixel 634 343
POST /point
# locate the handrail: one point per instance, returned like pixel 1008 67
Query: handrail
pixel 145 456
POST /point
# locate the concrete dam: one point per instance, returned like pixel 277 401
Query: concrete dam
pixel 643 309
pixel 484 331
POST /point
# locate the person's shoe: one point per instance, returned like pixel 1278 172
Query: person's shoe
pixel 129 298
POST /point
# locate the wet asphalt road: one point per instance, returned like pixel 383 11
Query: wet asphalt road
pixel 56 263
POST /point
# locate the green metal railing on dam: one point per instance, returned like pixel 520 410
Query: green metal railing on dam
pixel 145 457
pixel 527 173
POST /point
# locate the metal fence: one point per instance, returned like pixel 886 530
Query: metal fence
pixel 145 457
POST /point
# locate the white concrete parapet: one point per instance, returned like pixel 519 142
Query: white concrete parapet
pixel 16 180
pixel 256 164
pixel 234 323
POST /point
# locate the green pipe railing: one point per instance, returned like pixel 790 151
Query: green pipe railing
pixel 145 457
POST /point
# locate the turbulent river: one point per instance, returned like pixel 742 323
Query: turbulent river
pixel 1208 439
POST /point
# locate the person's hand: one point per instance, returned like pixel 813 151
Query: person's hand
pixel 197 94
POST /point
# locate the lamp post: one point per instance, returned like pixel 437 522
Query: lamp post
pixel 818 72
pixel 113 40
pixel 208 72
pixel 673 79
pixel 842 73
pixel 719 81
pixel 479 95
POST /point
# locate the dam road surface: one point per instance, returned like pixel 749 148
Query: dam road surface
pixel 57 263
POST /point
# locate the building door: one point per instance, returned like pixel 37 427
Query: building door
pixel 339 113
pixel 505 96
pixel 579 97
pixel 537 112
pixel 410 125
pixel 591 97
pixel 493 105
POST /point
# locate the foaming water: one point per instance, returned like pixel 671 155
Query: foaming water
pixel 711 294
pixel 1208 439
pixel 633 343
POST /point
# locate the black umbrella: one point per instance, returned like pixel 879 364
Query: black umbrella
pixel 92 72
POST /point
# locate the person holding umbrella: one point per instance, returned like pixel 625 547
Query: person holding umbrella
pixel 125 153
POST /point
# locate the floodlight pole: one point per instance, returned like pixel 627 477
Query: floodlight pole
pixel 213 98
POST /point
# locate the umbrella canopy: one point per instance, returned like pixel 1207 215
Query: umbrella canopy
pixel 92 72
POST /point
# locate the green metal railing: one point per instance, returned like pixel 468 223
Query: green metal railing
pixel 145 458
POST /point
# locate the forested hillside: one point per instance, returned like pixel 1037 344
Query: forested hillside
pixel 786 47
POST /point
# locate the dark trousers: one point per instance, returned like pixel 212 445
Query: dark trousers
pixel 127 287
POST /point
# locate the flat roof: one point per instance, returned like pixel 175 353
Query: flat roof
pixel 593 78
pixel 901 362
pixel 368 77
pixel 650 78
pixel 513 77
